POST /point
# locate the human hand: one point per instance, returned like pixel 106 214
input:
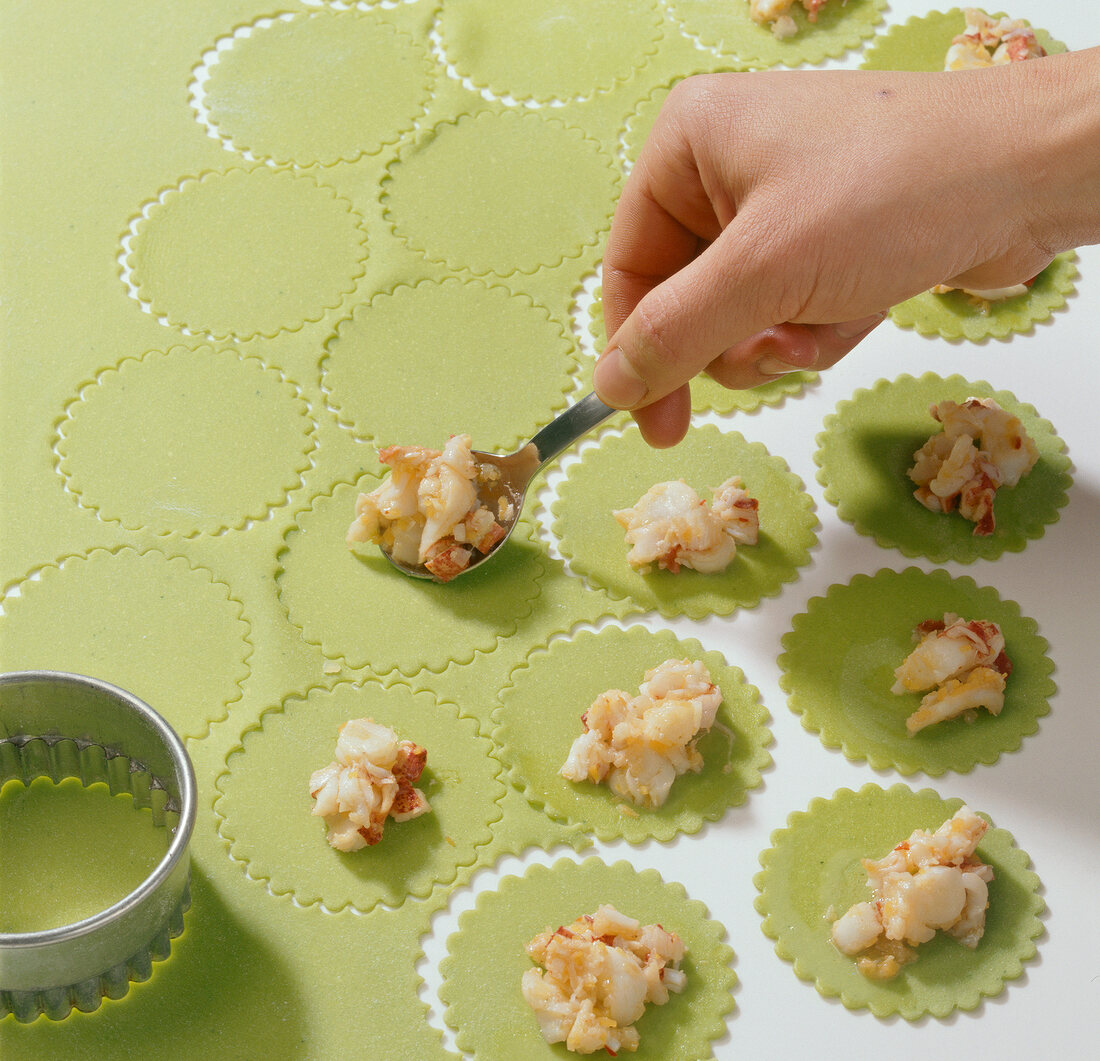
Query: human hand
pixel 773 218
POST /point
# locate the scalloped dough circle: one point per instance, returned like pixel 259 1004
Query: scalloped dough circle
pixel 193 441
pixel 152 624
pixel 501 192
pixel 814 865
pixel 266 809
pixel 729 29
pixel 357 606
pixel 247 252
pixel 536 732
pixel 548 50
pixel 921 42
pixel 486 960
pixel 622 468
pixel 347 85
pixel 839 660
pixel 472 359
pixel 954 316
pixel 640 123
pixel 866 450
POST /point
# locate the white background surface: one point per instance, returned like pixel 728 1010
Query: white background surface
pixel 1046 794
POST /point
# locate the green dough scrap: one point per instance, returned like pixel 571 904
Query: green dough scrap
pixel 486 960
pixel 839 659
pixel 867 447
pixel 536 731
pixel 622 468
pixel 419 364
pixel 812 870
pixel 485 41
pixel 266 808
pixel 320 88
pixel 728 28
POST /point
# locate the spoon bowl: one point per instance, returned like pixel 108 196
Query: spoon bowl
pixel 517 470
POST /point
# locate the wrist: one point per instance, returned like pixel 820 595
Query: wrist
pixel 1057 147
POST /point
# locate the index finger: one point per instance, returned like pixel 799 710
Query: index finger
pixel 664 217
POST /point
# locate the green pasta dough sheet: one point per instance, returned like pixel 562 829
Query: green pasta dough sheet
pixel 247 248
pixel 51 834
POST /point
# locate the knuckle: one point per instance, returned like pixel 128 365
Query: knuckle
pixel 653 352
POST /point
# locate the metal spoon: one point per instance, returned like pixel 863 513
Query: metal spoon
pixel 519 468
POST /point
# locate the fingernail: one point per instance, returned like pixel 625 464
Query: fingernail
pixel 772 366
pixel 850 329
pixel 616 382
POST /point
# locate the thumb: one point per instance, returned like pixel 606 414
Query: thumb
pixel 1019 266
pixel 683 324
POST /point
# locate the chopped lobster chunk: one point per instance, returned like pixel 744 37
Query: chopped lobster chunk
pixel 371 779
pixel 962 666
pixel 776 14
pixel 596 977
pixel 932 882
pixel 640 745
pixel 981 448
pixel 673 527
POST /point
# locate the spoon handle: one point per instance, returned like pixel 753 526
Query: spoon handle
pixel 564 430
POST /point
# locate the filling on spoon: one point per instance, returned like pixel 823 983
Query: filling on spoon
pixel 428 512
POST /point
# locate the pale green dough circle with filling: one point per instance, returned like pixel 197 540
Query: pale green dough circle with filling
pixel 419 364
pixel 486 960
pixel 358 607
pixel 194 441
pixel 318 89
pixel 267 815
pixel 729 29
pixel 866 450
pixel 501 192
pixel 813 871
pixel 840 656
pixel 615 475
pixel 150 623
pixel 537 729
pixel 247 252
pixel 548 49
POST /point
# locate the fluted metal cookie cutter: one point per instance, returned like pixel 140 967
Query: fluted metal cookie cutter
pixel 59 725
